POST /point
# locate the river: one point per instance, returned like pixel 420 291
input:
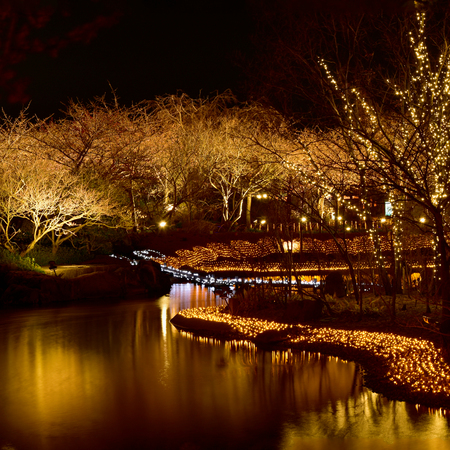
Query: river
pixel 119 376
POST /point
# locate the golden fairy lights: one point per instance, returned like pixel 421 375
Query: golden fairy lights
pixel 415 364
pixel 243 256
pixel 408 152
pixel 248 327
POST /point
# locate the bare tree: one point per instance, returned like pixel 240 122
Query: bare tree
pixel 51 203
pixel 403 145
pixel 186 151
pixel 242 166
pixel 14 134
pixel 78 139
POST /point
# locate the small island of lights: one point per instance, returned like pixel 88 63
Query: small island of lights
pixel 415 367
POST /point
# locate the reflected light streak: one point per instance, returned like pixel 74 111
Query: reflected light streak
pixel 164 304
pixel 415 364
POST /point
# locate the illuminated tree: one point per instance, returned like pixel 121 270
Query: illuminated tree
pixel 48 202
pixel 14 134
pixel 127 156
pixel 402 144
pixel 107 141
pixel 240 169
pixel 78 139
pixel 186 152
pixel 208 157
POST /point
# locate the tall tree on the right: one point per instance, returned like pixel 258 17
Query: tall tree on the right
pixel 379 83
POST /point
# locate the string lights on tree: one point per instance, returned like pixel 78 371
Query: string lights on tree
pixel 402 143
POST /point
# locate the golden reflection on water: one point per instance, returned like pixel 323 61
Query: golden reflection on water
pixel 49 382
pixel 120 375
pixel 192 296
pixel 305 379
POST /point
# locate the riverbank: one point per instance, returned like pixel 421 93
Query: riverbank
pixel 401 363
pixel 97 279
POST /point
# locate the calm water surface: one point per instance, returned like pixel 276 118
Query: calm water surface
pixel 119 376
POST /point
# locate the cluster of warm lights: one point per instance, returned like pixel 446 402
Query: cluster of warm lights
pixel 424 98
pixel 237 250
pixel 244 256
pixel 248 327
pixel 415 364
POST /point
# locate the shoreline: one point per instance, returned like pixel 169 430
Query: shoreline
pixel 398 367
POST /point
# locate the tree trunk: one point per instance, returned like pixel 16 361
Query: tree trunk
pixel 248 212
pixel 444 276
pixel 133 207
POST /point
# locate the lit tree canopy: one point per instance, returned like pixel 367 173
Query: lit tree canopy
pixel 401 145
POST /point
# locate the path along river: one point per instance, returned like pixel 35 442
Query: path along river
pixel 119 376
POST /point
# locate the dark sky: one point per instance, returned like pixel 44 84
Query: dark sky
pixel 141 48
pixel 56 50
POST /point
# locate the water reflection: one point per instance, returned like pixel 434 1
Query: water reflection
pixel 119 376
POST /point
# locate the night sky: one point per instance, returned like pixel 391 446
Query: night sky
pixel 56 50
pixel 140 48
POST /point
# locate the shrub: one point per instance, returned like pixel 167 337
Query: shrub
pixel 14 261
pixel 65 255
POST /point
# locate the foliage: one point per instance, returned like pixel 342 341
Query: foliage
pixel 42 255
pixel 14 261
pixel 257 298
